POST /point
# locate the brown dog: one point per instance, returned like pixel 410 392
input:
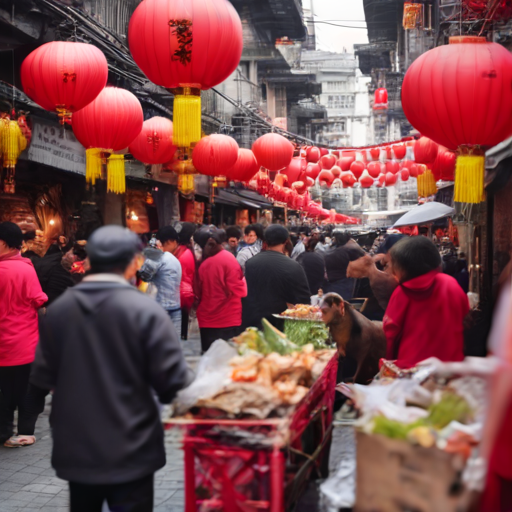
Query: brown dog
pixel 355 336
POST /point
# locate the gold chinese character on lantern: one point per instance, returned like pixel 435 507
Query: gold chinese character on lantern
pixel 413 16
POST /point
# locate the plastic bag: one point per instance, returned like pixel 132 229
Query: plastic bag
pixel 213 373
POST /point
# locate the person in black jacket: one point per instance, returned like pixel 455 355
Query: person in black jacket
pixel 273 281
pixel 104 349
pixel 313 264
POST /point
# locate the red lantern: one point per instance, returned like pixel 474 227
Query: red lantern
pixel 407 164
pixel 382 180
pixel 110 123
pixel 295 170
pixel 375 153
pixel 325 178
pixel 64 76
pixel 348 179
pixel 273 151
pixel 245 166
pixel 313 155
pixel 323 151
pixel 310 182
pixel 281 180
pixel 400 151
pixel 300 187
pixel 392 166
pixel 154 144
pixel 327 161
pixel 374 169
pixel 263 183
pixel 466 103
pixel 389 155
pixel 413 170
pixel 366 180
pixel 215 155
pixel 404 174
pixel 336 171
pixel 312 171
pixel 391 179
pixel 345 162
pixel 186 46
pixel 444 166
pixel 381 99
pixel 425 151
pixel 357 168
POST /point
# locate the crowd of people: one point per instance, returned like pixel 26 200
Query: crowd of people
pixel 98 323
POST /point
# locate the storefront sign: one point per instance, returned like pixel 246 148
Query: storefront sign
pixel 56 146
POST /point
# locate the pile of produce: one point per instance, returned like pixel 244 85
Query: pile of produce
pixel 304 312
pixel 266 375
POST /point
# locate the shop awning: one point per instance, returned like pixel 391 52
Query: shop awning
pixel 233 199
pixel 497 165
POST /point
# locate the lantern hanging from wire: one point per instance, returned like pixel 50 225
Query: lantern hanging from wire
pixel 110 123
pixel 460 96
pixel 215 155
pixel 154 144
pixel 64 76
pixel 186 46
pixel 13 143
pixel 273 151
pixel 245 167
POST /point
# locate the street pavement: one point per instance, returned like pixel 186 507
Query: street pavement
pixel 28 482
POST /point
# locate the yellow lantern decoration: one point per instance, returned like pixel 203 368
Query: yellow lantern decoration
pixel 186 183
pixel 93 165
pixel 116 181
pixel 13 143
pixel 426 182
pixel 469 179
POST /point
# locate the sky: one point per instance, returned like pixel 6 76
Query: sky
pixel 338 12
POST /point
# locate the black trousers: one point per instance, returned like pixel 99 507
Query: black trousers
pixel 184 323
pixel 134 496
pixel 33 407
pixel 210 334
pixel 13 388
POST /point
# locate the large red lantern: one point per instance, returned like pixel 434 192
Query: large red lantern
pixel 374 169
pixel 273 151
pixel 466 103
pixel 313 155
pixel 444 165
pixel 313 170
pixel 186 46
pixel 215 155
pixel 64 76
pixel 327 162
pixel 357 168
pixel 110 123
pixel 154 143
pixel 295 170
pixel 245 166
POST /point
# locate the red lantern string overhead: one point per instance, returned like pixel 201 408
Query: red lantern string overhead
pixel 336 171
pixel 273 151
pixel 357 168
pixel 186 46
pixel 154 143
pixel 312 171
pixel 444 165
pixel 345 162
pixel 375 153
pixel 374 169
pixel 245 166
pixel 391 179
pixel 466 103
pixel 404 174
pixel 296 170
pixel 425 151
pixel 110 123
pixel 392 166
pixel 325 177
pixel 348 179
pixel 327 161
pixel 313 155
pixel 400 150
pixel 64 76
pixel 366 180
pixel 215 155
pixel 381 180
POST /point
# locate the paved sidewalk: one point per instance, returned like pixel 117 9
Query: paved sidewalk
pixel 28 482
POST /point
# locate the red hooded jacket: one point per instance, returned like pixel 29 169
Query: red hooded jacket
pixel 424 318
pixel 188 272
pixel 20 298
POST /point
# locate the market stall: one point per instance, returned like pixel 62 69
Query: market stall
pixel 257 422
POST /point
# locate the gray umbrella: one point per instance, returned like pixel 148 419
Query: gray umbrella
pixel 424 214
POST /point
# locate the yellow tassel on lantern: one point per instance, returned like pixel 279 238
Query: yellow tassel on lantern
pixel 14 142
pixel 92 165
pixel 426 184
pixel 186 183
pixel 469 179
pixel 186 117
pixel 116 181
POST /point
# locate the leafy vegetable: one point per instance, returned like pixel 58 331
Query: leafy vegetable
pixel 277 341
pixel 304 332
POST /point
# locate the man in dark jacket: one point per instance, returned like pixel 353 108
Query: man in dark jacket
pixel 273 281
pixel 104 347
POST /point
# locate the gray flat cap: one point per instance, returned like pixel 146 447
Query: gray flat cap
pixel 110 244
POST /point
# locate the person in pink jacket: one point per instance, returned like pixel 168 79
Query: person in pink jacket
pixel 220 288
pixel 20 298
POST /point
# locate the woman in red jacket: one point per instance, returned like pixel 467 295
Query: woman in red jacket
pixel 220 288
pixel 425 314
pixel 185 254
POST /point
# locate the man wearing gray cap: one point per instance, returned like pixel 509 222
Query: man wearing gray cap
pixel 103 348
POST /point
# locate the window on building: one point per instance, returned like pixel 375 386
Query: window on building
pixel 339 86
pixel 340 101
pixel 339 127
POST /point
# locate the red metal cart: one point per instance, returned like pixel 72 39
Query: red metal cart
pixel 258 465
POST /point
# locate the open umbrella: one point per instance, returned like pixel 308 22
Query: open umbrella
pixel 424 213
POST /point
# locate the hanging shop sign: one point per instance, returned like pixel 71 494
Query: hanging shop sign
pixel 56 146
